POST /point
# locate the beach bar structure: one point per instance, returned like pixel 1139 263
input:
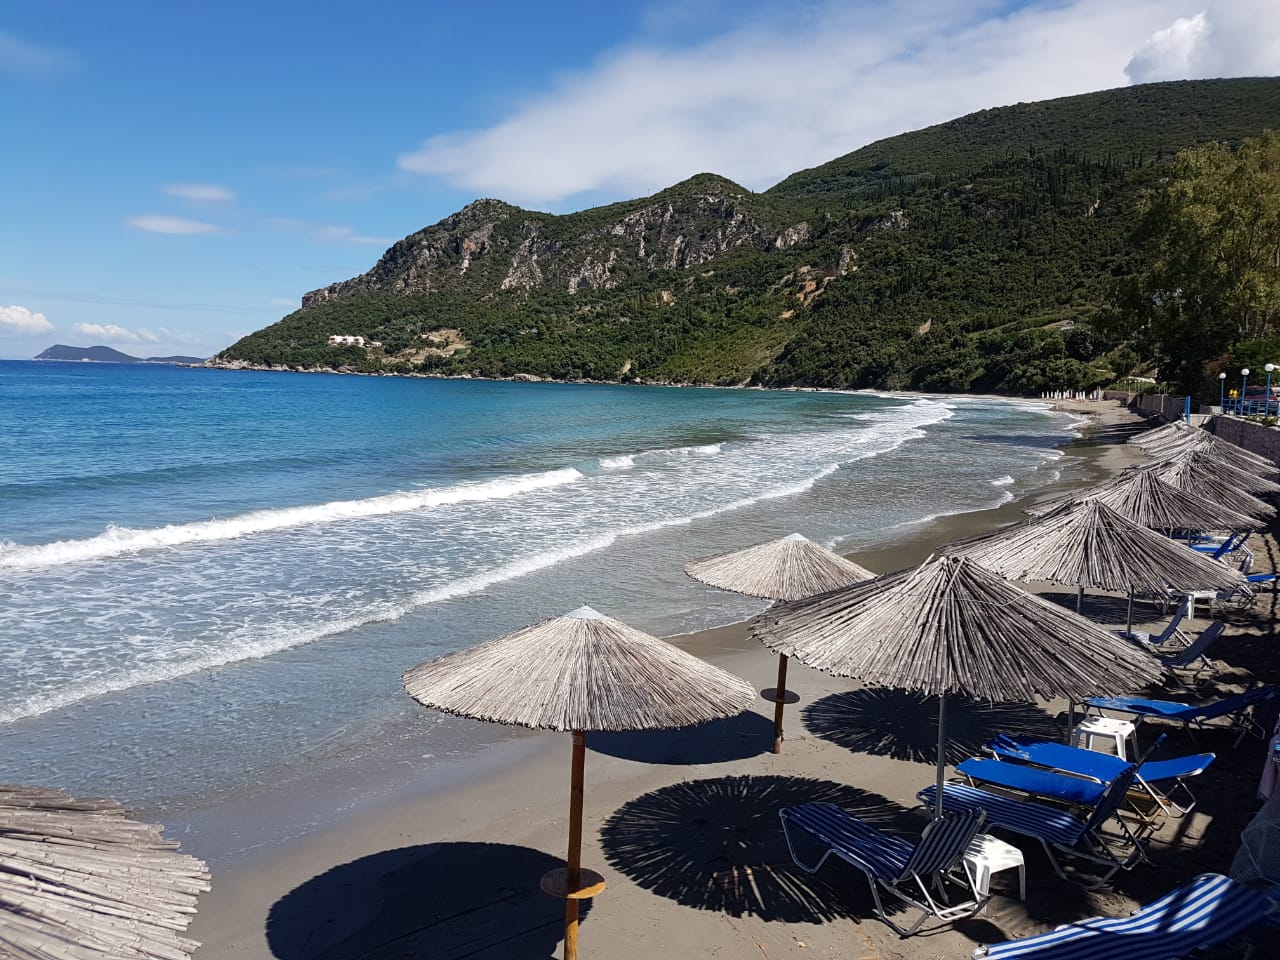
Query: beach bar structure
pixel 579 673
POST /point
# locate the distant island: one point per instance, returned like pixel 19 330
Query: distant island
pixel 60 351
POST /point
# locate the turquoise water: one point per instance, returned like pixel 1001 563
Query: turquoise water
pixel 213 577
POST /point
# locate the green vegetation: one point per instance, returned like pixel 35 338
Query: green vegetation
pixel 981 254
pixel 1211 281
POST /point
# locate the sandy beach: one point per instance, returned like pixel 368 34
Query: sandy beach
pixel 684 827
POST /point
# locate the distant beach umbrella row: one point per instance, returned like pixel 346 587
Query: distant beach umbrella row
pixel 1140 495
pixel 1195 469
pixel 1169 440
pixel 79 880
pixel 1088 544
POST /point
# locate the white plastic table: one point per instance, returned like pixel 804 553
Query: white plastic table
pixel 987 855
pixel 1111 730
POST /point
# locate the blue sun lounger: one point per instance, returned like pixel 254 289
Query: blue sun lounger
pixel 1161 778
pixel 1212 909
pixel 909 871
pixel 1058 831
pixel 1237 707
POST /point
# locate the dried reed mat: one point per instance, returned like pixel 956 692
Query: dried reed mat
pixel 1195 470
pixel 951 626
pixel 1190 439
pixel 1087 544
pixel 582 671
pixel 785 569
pixel 79 880
pixel 1141 496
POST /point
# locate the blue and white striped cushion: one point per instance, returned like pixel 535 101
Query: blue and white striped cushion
pixel 1207 911
pixel 881 855
pixel 1021 816
pixel 944 842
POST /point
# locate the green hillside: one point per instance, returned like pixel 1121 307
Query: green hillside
pixel 973 255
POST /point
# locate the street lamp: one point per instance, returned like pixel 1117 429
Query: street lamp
pixel 1222 392
pixel 1244 390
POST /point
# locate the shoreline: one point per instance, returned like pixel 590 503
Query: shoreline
pixel 512 788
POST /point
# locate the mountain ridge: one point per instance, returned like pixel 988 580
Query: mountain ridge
pixel 972 255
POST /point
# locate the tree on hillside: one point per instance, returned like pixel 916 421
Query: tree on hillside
pixel 1211 233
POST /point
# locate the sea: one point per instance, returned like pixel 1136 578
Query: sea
pixel 213 580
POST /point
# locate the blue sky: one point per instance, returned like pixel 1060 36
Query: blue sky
pixel 176 175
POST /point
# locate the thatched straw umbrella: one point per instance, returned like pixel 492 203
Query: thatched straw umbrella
pixel 1193 470
pixel 79 880
pixel 1088 545
pixel 1221 449
pixel 1141 496
pixel 952 626
pixel 1171 432
pixel 577 673
pixel 787 569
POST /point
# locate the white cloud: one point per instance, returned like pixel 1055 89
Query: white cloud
pixel 326 233
pixel 25 59
pixel 1239 38
pixel 200 192
pixel 159 223
pixel 21 320
pixel 290 302
pixel 777 95
pixel 111 331
pixel 332 234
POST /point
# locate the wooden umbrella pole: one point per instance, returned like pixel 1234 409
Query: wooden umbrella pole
pixel 942 753
pixel 1080 599
pixel 574 858
pixel 779 703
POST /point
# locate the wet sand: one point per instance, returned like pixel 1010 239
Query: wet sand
pixel 682 824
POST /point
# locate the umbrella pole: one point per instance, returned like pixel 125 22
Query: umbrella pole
pixel 779 704
pixel 1071 704
pixel 1128 628
pixel 575 847
pixel 942 753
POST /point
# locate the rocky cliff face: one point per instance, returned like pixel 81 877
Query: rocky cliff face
pixel 492 246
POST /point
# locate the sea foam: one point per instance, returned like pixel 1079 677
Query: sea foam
pixel 116 541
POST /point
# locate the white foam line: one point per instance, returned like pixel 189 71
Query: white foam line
pixel 116 541
pixel 1005 497
pixel 64 697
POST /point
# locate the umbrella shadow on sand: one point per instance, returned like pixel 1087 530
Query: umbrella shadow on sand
pixel 1104 609
pixel 446 901
pixel 717 741
pixel 718 845
pixel 904 725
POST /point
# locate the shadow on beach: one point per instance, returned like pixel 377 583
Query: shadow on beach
pixel 904 726
pixel 1107 610
pixel 440 900
pixel 718 845
pixel 733 738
